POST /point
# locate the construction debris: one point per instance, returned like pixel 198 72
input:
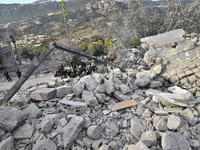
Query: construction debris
pixel 111 111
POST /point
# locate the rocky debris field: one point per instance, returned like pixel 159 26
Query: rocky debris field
pixel 139 109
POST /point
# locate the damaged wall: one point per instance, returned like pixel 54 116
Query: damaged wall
pixel 180 56
pixel 7 58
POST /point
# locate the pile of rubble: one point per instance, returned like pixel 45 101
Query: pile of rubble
pixel 101 112
pixel 134 110
pixel 178 53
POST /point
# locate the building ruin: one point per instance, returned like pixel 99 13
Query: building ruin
pixel 7 57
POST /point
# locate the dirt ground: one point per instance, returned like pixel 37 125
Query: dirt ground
pixel 5 85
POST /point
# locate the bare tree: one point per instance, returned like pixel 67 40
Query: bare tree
pixel 140 20
pixel 180 15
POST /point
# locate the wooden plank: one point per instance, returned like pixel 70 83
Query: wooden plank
pixel 124 104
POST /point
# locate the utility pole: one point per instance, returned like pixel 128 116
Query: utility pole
pixel 66 22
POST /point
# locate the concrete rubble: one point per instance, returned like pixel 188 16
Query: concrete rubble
pixel 78 115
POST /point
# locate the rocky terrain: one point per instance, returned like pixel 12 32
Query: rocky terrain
pixel 148 107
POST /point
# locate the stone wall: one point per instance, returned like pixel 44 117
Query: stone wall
pixel 180 56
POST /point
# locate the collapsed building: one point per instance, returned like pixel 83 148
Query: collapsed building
pixel 7 57
pixel 140 108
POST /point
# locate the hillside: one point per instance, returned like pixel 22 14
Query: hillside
pixel 84 18
pixel 18 12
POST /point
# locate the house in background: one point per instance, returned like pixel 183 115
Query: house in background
pixel 7 57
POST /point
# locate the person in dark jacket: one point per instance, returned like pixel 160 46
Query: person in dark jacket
pixel 18 73
pixel 6 74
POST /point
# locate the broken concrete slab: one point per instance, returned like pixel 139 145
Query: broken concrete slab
pixel 25 131
pixel 124 89
pixel 149 138
pixel 63 90
pixel 11 117
pixel 101 98
pixel 136 127
pixel 2 133
pixel 73 107
pixel 109 85
pixel 7 144
pixel 43 94
pixel 78 88
pixel 121 97
pixel 188 115
pixel 100 89
pixel 140 146
pixel 173 122
pixel 179 90
pixel 142 82
pixel 46 125
pixel 19 99
pixel 45 144
pixel 90 84
pixel 163 97
pixel 87 142
pixel 72 130
pixel 171 140
pixel 165 38
pixel 94 132
pixel 33 111
pixel 155 84
pixel 161 125
pixel 90 99
pixel 160 112
pixel 179 97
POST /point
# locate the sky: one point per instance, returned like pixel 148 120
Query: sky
pixel 17 1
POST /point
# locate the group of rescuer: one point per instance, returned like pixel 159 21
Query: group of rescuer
pixel 73 70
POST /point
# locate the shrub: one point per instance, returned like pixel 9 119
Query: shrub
pixel 136 43
pixel 96 46
pixel 41 48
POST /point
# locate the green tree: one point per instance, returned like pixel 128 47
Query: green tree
pixel 95 46
pixel 41 48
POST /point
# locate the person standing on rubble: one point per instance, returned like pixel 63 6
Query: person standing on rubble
pixel 18 73
pixel 6 74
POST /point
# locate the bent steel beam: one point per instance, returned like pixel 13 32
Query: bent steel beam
pixel 74 51
pixel 10 93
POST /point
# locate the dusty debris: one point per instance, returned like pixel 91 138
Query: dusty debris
pixel 79 114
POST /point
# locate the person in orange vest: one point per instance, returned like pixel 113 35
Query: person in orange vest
pixel 111 58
